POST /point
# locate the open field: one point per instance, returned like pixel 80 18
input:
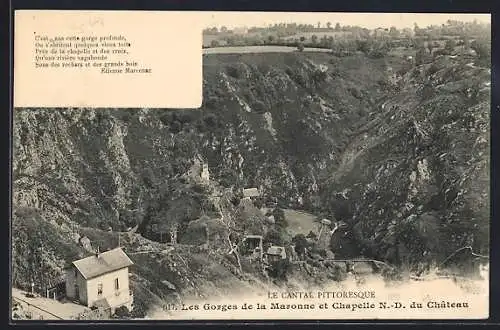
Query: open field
pixel 259 49
pixel 300 222
pixel 319 34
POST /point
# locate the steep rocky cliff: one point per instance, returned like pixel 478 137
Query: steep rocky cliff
pixel 403 159
pixel 414 184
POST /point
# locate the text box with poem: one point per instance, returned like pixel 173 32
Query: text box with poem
pixel 107 59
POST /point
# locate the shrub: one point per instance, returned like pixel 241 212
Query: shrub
pixel 319 76
pixel 210 120
pixel 259 107
pixel 279 217
pixel 122 312
pixel 234 72
pixel 432 69
pixel 337 273
pixel 450 45
pixel 301 244
pixel 280 269
pixel 186 116
pixel 390 274
pixel 273 236
pixel 210 101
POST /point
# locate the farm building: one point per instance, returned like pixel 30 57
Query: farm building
pixel 101 280
pixel 251 192
pixel 253 244
pixel 275 253
pixel 205 173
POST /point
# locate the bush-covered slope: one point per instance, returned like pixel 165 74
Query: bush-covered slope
pixel 416 183
pixel 403 159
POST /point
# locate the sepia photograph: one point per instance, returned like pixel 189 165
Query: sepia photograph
pixel 338 168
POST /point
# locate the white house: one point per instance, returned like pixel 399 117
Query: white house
pixel 205 173
pixel 101 280
pixel 251 192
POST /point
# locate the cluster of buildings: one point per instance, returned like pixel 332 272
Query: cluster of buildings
pixel 253 248
pixel 101 281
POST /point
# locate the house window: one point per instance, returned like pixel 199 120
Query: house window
pixel 99 289
pixel 117 287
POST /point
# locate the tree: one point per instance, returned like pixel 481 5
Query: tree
pixel 393 32
pixel 450 45
pixel 223 29
pixel 231 41
pixel 363 46
pixel 273 236
pixel 279 217
pixel 337 27
pixel 483 50
pixel 314 38
pixel 312 235
pixel 420 56
pixel 301 244
pixel 328 25
pixel 429 44
pixel 302 39
pixel 466 41
pixel 300 47
pixel 214 43
pixel 416 29
pixel 380 50
pixel 122 312
pixel 279 269
pixel 324 41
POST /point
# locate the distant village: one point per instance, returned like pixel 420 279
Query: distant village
pixel 330 34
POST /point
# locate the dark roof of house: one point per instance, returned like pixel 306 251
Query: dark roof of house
pixel 105 262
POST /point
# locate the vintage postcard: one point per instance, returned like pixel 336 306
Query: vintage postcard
pixel 250 166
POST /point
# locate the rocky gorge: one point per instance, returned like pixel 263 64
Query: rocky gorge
pixel 398 152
